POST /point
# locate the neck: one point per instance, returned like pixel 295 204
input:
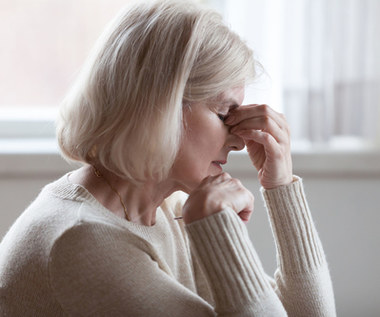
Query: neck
pixel 141 201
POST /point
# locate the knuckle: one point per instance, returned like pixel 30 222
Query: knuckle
pixel 225 175
pixel 236 182
pixel 266 137
pixel 279 154
pixel 266 120
pixel 288 131
pixel 250 196
pixel 265 108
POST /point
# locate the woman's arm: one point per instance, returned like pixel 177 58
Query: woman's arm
pixel 303 282
pixel 233 270
pixel 214 215
pixel 99 270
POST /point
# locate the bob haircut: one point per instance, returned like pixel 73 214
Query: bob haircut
pixel 124 111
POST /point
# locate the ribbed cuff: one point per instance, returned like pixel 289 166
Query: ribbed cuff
pixel 230 263
pixel 298 246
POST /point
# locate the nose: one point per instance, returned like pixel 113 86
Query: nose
pixel 235 142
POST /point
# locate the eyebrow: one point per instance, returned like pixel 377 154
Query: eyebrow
pixel 233 102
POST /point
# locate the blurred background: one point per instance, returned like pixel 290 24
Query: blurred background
pixel 320 66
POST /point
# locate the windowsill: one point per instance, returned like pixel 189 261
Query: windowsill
pixel 324 163
pixel 33 157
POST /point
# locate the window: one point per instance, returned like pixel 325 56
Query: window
pixel 322 65
pixel 320 60
pixel 44 44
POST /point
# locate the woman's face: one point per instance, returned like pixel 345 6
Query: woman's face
pixel 206 141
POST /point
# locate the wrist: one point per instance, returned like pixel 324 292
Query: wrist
pixel 283 182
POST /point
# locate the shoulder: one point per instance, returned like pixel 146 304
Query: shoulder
pixel 89 246
pixel 86 237
pixel 97 261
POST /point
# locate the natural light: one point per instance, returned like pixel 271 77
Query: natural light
pixel 315 74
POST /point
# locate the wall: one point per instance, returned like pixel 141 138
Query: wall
pixel 343 191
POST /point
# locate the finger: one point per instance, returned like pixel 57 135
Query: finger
pixel 244 112
pixel 271 146
pixel 245 215
pixel 240 113
pixel 256 152
pixel 265 124
pixel 246 212
pixel 243 198
pixel 236 193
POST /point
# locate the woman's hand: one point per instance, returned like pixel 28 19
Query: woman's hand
pixel 267 137
pixel 214 194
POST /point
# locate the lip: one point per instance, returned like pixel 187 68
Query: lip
pixel 219 164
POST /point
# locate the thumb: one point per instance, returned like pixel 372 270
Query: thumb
pixel 245 215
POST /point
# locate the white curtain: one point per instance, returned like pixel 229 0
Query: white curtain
pixel 322 58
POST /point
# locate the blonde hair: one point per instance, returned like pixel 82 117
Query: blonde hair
pixel 125 109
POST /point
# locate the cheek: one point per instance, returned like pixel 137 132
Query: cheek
pixel 187 171
pixel 206 141
pixel 196 153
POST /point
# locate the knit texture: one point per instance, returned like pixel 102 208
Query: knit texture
pixel 67 255
pixel 302 271
pixel 222 246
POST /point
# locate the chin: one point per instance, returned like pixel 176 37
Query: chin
pixel 190 184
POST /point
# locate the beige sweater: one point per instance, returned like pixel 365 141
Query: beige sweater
pixel 67 255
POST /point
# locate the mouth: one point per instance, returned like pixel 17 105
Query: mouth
pixel 219 164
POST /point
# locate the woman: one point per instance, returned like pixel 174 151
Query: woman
pixel 154 113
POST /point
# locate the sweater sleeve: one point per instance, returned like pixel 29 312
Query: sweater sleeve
pixel 237 280
pixel 240 287
pixel 303 282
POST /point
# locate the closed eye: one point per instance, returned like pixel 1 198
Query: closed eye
pixel 222 116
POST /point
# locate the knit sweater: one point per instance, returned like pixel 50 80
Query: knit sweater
pixel 67 255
